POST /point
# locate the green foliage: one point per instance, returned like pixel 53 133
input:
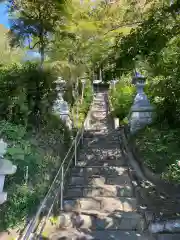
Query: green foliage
pixel 26 92
pixel 8 55
pixel 159 147
pixel 90 35
pixel 153 49
pixel 122 97
pixel 37 156
pixel 35 21
pixel 164 89
pixel 159 25
pixel 82 106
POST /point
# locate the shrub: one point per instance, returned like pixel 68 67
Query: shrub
pixel 38 156
pixel 26 92
pixel 159 147
pixel 164 93
pixel 164 87
pixel 122 98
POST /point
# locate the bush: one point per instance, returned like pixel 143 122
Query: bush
pixel 122 98
pixel 38 156
pixel 26 92
pixel 164 87
pixel 159 147
pixel 164 93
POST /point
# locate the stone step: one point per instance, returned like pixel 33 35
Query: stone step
pixel 111 171
pixel 169 236
pixel 99 161
pixel 96 141
pixel 93 143
pixel 97 235
pixel 103 191
pixel 116 221
pixel 96 180
pixel 103 147
pixel 101 204
pixel 90 133
pixel 102 152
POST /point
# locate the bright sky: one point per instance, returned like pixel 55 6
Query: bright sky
pixel 3 15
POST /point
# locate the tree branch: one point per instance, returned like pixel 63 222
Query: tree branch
pixel 123 25
pixel 33 45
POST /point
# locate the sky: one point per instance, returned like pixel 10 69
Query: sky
pixel 4 21
pixel 3 15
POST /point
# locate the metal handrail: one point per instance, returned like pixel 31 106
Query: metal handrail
pixel 54 188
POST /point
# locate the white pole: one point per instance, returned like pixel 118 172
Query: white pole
pixel 82 91
pixel 75 152
pixel 62 186
pixel 100 74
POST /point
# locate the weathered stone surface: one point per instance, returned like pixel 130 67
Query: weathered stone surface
pixel 119 220
pixel 101 163
pixel 104 190
pixel 115 176
pixel 101 171
pixel 81 181
pixel 65 220
pixel 175 236
pixel 119 180
pixel 98 235
pixel 103 204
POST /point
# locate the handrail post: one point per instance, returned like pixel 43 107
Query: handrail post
pixel 62 186
pixel 75 151
pixel 82 136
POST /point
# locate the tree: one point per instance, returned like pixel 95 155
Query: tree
pixel 34 22
pixel 94 27
pixel 6 54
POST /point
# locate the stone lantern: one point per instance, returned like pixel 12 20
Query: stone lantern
pixel 6 168
pixel 138 79
pixel 113 83
pixel 141 111
pixel 61 108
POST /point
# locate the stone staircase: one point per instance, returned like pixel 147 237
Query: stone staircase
pixel 99 201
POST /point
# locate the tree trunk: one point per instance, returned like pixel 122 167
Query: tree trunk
pixel 42 54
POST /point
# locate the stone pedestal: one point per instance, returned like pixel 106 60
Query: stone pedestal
pixel 141 113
